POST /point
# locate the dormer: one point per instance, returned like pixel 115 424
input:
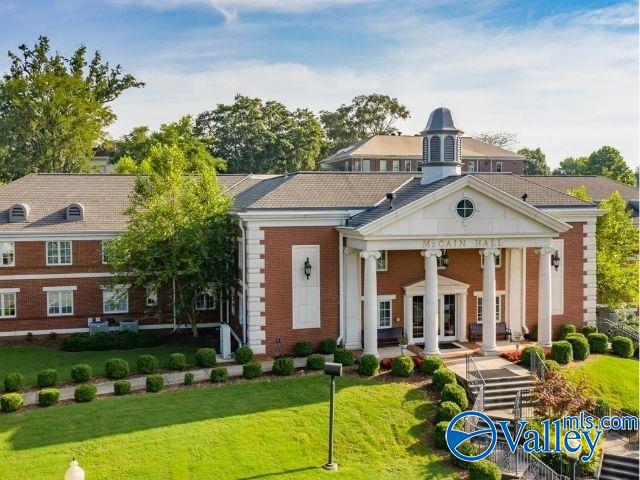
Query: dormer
pixel 440 147
pixel 19 212
pixel 75 212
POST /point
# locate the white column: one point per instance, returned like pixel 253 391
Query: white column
pixel 352 298
pixel 544 297
pixel 430 312
pixel 489 345
pixel 462 317
pixel 370 302
pixel 514 289
pixel 408 317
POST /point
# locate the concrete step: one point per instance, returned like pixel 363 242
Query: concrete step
pixel 620 468
pixel 617 474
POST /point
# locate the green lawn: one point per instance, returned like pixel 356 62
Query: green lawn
pixel 29 360
pixel 254 430
pixel 614 379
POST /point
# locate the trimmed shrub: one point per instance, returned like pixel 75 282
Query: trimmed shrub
pixel 177 361
pixel 302 348
pixel 385 363
pixel 80 342
pixel 588 330
pixel 417 361
pixel 155 383
pixel 566 329
pixel 14 382
pixel 283 367
pixel 99 342
pixel 430 364
pixel 465 448
pixel 562 352
pixel 48 397
pixel 533 333
pixel 439 435
pixel 243 355
pixel 369 365
pixel 124 340
pixel 122 387
pixel 81 373
pixel 47 377
pixel 188 378
pixel 147 364
pixel 219 375
pixel 446 411
pixel 443 376
pixel 251 370
pixel 452 392
pixel 206 357
pixel 85 393
pixel 580 346
pixel 484 470
pixel 11 402
pixel 76 342
pixel 525 358
pixel 402 366
pixel 552 365
pixel 315 362
pixel 622 346
pixel 116 368
pixel 148 339
pixel 327 346
pixel 598 342
pixel 344 356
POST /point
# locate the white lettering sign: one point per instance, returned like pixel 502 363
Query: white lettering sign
pixel 464 243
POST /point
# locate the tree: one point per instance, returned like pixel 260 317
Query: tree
pixel 179 232
pixel 535 162
pixel 581 193
pixel 364 117
pixel 572 166
pixel 54 110
pixel 505 140
pixel 261 137
pixel 132 151
pixel 616 254
pixel 609 162
pixel 555 397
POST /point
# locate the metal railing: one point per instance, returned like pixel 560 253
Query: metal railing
pixel 537 366
pixel 473 376
pixel 471 422
pixel 630 435
pixel 616 329
pixel 523 407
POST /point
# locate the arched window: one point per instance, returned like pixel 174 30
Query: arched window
pixel 75 211
pixel 19 212
pixel 435 149
pixel 449 149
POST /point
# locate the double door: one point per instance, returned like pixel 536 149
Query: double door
pixel 447 304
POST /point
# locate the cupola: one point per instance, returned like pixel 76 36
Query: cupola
pixel 440 147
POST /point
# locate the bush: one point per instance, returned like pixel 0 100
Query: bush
pixel 147 364
pixel 122 387
pixel 385 363
pixel 588 330
pixel 81 373
pixel 598 342
pixel 533 333
pixel 443 376
pixel 10 402
pixel 155 383
pixel 465 448
pixel 327 346
pixel 417 361
pixel 562 352
pixel 48 397
pixel 99 342
pixel 580 346
pixel 251 370
pixel 219 375
pixel 302 348
pixel 344 356
pixel 76 342
pixel 206 357
pixel 439 435
pixel 13 382
pixel 484 470
pixel 622 346
pixel 47 377
pixel 126 340
pixel 452 392
pixel 369 365
pixel 243 355
pixel 514 357
pixel 431 364
pixel 446 411
pixel 85 393
pixel 283 367
pixel 315 362
pixel 525 358
pixel 177 361
pixel 80 342
pixel 552 365
pixel 149 339
pixel 116 368
pixel 402 366
pixel 188 378
pixel 566 329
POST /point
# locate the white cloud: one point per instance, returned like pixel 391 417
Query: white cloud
pixel 621 15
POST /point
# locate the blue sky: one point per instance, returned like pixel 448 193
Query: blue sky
pixel 562 75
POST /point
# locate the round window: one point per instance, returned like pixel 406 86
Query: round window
pixel 465 208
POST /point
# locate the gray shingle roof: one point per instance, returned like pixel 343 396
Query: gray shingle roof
pixel 597 186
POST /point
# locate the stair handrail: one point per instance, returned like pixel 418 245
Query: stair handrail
pixel 537 366
pixel 473 376
pixel 520 411
pixel 607 326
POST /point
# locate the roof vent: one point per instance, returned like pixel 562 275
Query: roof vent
pixel 75 211
pixel 390 198
pixel 19 212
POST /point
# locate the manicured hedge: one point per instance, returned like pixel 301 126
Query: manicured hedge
pixel 484 470
pixel 533 333
pixel 122 387
pixel 465 448
pixel 369 365
pixel 243 355
pixel 85 393
pixel 315 362
pixel 48 397
pixel 80 342
pixel 344 356
pixel 219 375
pixel 622 346
pixel 81 373
pixel 116 368
pixel 402 366
pixel 302 348
pixel 13 382
pixel 154 383
pixel 446 411
pixel 11 402
pixel 147 364
pixel 188 378
pixel 598 342
pixel 443 376
pixel 589 329
pixel 580 346
pixel 562 352
pixel 430 364
pixel 283 367
pixel 251 370
pixel 206 357
pixel 566 329
pixel 552 365
pixel 177 361
pixel 439 435
pixel 327 346
pixel 47 377
pixel 452 392
pixel 525 358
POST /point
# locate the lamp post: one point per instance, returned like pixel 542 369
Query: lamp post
pixel 333 370
pixel 573 454
pixel 74 472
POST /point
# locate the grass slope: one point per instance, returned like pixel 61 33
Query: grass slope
pixel 29 360
pixel 255 430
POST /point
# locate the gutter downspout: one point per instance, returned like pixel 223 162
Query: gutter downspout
pixel 244 281
pixel 341 280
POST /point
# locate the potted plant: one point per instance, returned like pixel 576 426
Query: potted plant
pixel 403 341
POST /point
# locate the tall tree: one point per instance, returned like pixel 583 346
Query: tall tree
pixel 261 137
pixel 54 109
pixel 506 140
pixel 608 162
pixel 364 117
pixel 572 166
pixel 581 193
pixel 179 232
pixel 535 162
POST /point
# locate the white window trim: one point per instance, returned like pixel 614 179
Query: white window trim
pixel 240 262
pixel 383 254
pixel 368 165
pixel 46 252
pixel 471 166
pixel 499 295
pixel 55 289
pixel 206 309
pixel 498 263
pixel 102 251
pixel 13 248
pixel 499 170
pixel 107 289
pixel 58 290
pixel 410 164
pixel 395 166
pixel 150 292
pixel 9 291
pixel 385 298
pixel 380 164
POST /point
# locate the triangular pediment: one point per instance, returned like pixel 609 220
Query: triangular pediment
pixel 445 285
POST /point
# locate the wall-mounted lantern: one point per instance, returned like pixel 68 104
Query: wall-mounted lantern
pixel 555 260
pixel 445 259
pixel 307 268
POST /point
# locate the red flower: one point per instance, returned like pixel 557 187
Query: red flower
pixel 512 356
pixel 417 361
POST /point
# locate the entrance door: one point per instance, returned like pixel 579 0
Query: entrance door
pixel 448 317
pixel 418 318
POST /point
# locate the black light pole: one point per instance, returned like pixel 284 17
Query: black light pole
pixel 334 370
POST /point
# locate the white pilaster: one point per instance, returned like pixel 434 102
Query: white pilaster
pixel 370 302
pixel 430 313
pixel 255 289
pixel 353 317
pixel 589 278
pixel 461 328
pixel 408 317
pixel 544 297
pixel 489 345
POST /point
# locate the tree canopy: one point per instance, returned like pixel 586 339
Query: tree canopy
pixel 607 161
pixel 506 140
pixel 581 193
pixel 572 166
pixel 54 109
pixel 535 162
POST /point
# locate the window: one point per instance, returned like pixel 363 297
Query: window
pixel 8 254
pixel 440 261
pixel 205 301
pixel 499 167
pixel 151 296
pixel 8 304
pixel 366 165
pixel 384 314
pixel 479 309
pixel 59 253
pixel 435 149
pixel 449 149
pixel 396 165
pixel 240 254
pixel 60 301
pixel 407 165
pixel 104 247
pixel 465 208
pixel 498 259
pixel 115 299
pixel 383 166
pixel 381 263
pixel 471 167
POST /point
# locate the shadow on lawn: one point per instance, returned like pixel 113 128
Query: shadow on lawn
pixel 281 472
